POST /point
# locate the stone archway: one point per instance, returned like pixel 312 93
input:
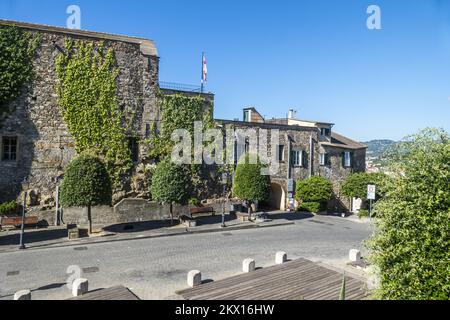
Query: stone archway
pixel 277 199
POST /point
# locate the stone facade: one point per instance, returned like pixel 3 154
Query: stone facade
pixel 45 146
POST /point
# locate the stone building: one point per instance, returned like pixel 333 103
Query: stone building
pixel 306 148
pixel 36 145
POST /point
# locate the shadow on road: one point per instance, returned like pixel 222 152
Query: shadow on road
pixel 291 216
pixel 33 236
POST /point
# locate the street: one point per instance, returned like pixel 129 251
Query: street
pixel 156 268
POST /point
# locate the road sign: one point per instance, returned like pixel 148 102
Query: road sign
pixel 371 192
pixel 291 185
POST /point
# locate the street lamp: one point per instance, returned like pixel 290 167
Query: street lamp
pixel 224 183
pixel 25 186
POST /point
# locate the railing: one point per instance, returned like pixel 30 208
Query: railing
pixel 179 87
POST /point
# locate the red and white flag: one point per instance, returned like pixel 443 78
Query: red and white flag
pixel 204 70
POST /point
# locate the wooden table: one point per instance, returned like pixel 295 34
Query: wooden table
pixel 295 280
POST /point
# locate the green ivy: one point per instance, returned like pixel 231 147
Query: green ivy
pixel 87 91
pixel 17 50
pixel 177 112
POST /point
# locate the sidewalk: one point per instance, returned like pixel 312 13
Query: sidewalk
pixel 55 237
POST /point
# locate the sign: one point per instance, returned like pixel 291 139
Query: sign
pixel 224 178
pixel 371 192
pixel 291 185
pixel 290 196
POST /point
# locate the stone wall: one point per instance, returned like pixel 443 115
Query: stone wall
pixel 45 146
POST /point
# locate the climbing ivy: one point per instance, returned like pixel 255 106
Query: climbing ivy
pixel 17 50
pixel 177 112
pixel 87 91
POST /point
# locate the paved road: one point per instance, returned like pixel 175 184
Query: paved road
pixel 155 268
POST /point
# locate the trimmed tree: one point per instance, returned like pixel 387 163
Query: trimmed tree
pixel 86 183
pixel 313 193
pixel 410 247
pixel 171 184
pixel 249 184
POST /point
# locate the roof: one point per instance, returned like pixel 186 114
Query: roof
pixel 285 120
pixel 340 141
pixel 147 46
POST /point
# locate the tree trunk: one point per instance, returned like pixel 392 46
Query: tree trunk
pixel 89 216
pixel 171 213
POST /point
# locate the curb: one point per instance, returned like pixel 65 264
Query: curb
pixel 161 235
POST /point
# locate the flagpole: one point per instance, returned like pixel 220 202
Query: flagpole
pixel 201 88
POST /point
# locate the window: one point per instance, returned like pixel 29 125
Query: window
pixel 324 159
pixel 133 145
pixel 280 153
pixel 325 132
pixel 247 116
pixel 9 148
pixel 297 159
pixel 347 159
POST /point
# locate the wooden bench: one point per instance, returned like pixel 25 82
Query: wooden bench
pixel 16 222
pixel 201 211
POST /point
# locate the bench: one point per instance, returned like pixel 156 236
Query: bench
pixel 201 211
pixel 16 222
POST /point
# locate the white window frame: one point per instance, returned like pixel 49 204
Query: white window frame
pixel 323 159
pixel 297 158
pixel 347 159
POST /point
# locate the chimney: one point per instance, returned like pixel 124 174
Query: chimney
pixel 291 114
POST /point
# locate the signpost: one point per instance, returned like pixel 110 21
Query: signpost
pixel 371 195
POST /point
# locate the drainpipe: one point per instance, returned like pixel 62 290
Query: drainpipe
pixel 311 155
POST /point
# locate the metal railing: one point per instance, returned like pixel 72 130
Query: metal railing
pixel 179 86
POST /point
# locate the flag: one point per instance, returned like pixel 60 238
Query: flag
pixel 204 70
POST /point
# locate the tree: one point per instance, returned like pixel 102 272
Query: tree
pixel 171 184
pixel 410 247
pixel 355 186
pixel 314 192
pixel 249 184
pixel 86 183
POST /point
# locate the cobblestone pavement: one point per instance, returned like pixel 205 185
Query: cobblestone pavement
pixel 155 268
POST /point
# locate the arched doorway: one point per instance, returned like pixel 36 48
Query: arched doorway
pixel 277 199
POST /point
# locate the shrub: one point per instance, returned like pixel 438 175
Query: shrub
pixel 410 247
pixel 171 183
pixel 86 183
pixel 311 207
pixel 249 183
pixel 363 213
pixel 314 189
pixel 8 208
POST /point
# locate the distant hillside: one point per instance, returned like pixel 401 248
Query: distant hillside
pixel 378 147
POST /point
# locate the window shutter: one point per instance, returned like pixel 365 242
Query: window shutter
pixel 343 159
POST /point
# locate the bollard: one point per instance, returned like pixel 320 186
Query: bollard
pixel 79 287
pixel 248 265
pixel 354 255
pixel 194 278
pixel 22 295
pixel 280 257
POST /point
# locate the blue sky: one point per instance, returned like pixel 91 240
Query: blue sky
pixel 316 56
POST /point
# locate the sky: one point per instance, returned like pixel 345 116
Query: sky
pixel 315 56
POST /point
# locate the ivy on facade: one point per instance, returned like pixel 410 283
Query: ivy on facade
pixel 87 91
pixel 17 50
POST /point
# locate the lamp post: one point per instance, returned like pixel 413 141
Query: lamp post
pixel 224 183
pixel 25 185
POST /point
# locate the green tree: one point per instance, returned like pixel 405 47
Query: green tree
pixel 249 184
pixel 410 247
pixel 86 183
pixel 355 186
pixel 315 189
pixel 171 184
